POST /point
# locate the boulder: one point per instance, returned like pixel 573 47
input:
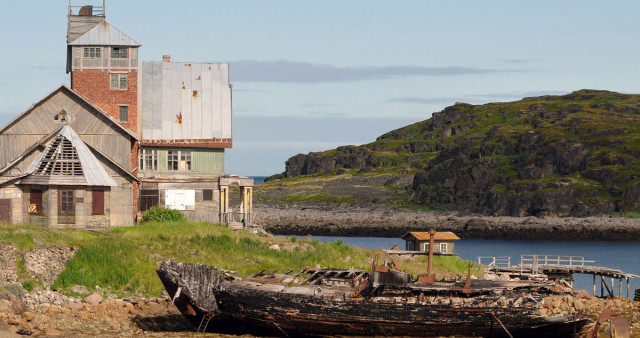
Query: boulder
pixel 92 298
pixel 79 289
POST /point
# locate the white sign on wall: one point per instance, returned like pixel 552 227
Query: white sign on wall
pixel 180 199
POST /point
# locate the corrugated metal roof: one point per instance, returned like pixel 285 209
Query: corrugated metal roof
pixel 104 34
pixel 439 236
pixel 92 171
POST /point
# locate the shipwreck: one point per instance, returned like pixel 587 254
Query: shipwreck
pixel 377 302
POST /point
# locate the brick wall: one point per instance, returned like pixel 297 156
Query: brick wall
pixel 95 85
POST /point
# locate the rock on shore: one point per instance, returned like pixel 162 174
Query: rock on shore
pixel 377 222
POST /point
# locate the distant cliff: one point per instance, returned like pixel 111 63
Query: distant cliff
pixel 571 155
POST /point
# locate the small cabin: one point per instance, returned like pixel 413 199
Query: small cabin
pixel 443 242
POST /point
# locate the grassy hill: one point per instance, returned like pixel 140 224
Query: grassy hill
pixel 122 260
pixel 570 155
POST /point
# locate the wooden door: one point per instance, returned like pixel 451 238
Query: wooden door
pixel 5 210
pixel 66 207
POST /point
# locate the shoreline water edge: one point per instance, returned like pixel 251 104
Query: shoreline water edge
pixel 376 222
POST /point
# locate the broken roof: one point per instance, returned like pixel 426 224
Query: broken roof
pixel 104 34
pixel 68 161
pixel 439 236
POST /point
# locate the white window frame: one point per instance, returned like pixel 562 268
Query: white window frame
pixel 425 246
pixel 92 52
pixel 119 81
pixel 179 159
pixel 149 156
pixel 443 247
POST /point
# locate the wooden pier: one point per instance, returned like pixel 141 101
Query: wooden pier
pixel 559 267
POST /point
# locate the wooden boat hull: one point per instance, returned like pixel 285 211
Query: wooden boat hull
pixel 250 307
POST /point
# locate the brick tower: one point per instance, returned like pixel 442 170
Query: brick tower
pixel 103 63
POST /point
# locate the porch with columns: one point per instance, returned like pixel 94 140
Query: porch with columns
pixel 241 218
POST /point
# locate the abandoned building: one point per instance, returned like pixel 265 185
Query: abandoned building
pixel 443 242
pixel 125 136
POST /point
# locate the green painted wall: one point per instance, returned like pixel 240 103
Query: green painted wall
pixel 203 160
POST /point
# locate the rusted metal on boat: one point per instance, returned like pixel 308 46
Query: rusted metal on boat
pixel 619 325
pixel 360 303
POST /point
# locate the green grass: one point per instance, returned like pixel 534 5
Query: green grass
pixel 319 197
pixel 123 260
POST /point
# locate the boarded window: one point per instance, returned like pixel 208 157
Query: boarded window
pixel 66 202
pixel 5 210
pixel 179 160
pixel 35 203
pixel 149 198
pixel 97 202
pixel 207 195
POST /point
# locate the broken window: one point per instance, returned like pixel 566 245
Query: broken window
pixel 35 202
pixel 149 198
pixel 92 52
pixel 118 53
pixel 119 81
pixel 66 203
pixel 149 159
pixel 179 160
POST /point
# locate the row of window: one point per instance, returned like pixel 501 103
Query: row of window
pixel 177 159
pixel 96 52
pixel 443 247
pixel 66 203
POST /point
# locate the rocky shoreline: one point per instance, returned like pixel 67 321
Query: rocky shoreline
pixel 302 220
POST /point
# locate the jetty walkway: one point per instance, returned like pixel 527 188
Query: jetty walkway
pixel 559 267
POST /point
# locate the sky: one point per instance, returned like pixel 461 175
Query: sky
pixel 313 75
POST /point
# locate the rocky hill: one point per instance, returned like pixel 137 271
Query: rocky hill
pixel 571 155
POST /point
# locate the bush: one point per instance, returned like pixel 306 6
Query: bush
pixel 160 214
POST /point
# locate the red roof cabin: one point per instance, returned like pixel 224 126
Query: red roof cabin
pixel 443 242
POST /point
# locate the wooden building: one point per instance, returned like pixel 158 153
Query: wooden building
pixel 65 162
pixel 443 242
pixel 126 135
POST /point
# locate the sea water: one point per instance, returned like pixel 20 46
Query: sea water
pixel 623 256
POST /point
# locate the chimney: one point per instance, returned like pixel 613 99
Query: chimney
pixel 166 58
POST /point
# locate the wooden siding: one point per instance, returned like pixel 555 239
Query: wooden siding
pixel 121 203
pixel 205 211
pixel 203 161
pixel 93 127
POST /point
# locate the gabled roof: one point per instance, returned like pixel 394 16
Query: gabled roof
pixel 104 34
pixel 68 161
pixel 35 146
pixel 439 236
pixel 81 97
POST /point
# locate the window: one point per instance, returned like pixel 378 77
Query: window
pixel 118 53
pixel 35 203
pixel 61 117
pixel 119 81
pixel 179 160
pixel 426 247
pixel 149 198
pixel 66 203
pixel 207 195
pixel 443 247
pixel 149 159
pixel 410 246
pixel 97 202
pixel 93 52
pixel 124 114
